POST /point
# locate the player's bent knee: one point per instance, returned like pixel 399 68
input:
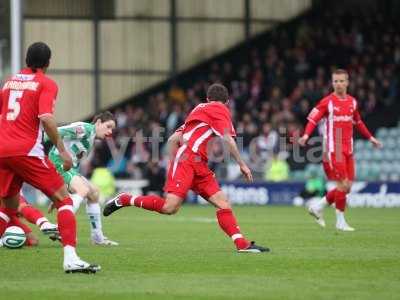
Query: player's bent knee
pixel 220 201
pixel 60 195
pixel 224 205
pixel 347 186
pixel 170 209
pixel 93 195
pixel 95 191
pixel 83 192
pixel 344 188
pixel 172 204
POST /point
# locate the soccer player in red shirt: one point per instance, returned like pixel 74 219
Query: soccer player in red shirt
pixel 189 170
pixel 27 102
pixel 36 217
pixel 340 112
pixel 33 216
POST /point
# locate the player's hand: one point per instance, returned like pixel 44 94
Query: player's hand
pixel 377 143
pixel 303 140
pixel 66 157
pixel 246 172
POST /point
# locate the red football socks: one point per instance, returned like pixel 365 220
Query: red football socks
pixel 151 202
pixel 125 200
pixel 340 200
pixel 32 215
pixel 66 222
pixel 331 196
pixel 228 224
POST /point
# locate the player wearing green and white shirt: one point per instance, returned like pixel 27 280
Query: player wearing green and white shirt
pixel 78 139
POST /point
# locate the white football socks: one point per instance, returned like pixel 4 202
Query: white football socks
pixel 340 217
pixel 69 253
pixel 94 213
pixel 320 204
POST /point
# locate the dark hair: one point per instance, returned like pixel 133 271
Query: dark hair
pixel 104 117
pixel 217 92
pixel 38 56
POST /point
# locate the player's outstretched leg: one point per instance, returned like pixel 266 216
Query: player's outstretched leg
pixel 227 222
pixel 225 217
pixel 151 202
pixel 35 216
pixel 316 209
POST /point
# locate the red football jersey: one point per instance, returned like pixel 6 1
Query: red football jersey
pixel 339 115
pixel 205 121
pixel 24 98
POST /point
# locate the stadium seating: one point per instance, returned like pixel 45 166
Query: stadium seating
pixel 379 164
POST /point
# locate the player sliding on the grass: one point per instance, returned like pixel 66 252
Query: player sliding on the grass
pixel 340 112
pixel 36 217
pixel 33 216
pixel 189 170
pixel 31 239
pixel 79 138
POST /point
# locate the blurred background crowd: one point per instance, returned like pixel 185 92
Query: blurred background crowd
pixel 274 82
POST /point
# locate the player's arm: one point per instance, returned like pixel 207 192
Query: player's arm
pixel 46 109
pixel 173 144
pixel 363 129
pixel 316 114
pixel 174 141
pixel 50 127
pixel 234 151
pixel 1 101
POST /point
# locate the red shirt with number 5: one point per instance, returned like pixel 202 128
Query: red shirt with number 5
pixel 24 98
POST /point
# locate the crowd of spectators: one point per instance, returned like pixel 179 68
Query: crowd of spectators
pixel 273 87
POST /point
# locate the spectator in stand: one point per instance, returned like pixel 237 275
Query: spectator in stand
pixel 156 177
pixel 267 142
pixel 177 94
pixel 278 168
pixel 314 186
pixel 105 181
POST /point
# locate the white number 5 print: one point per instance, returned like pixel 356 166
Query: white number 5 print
pixel 13 105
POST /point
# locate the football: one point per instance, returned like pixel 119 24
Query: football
pixel 14 237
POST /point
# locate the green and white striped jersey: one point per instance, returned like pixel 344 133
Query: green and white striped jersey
pixel 78 139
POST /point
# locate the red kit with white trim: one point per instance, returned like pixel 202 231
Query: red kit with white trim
pixel 189 169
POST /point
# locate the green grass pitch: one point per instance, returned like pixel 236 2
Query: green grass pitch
pixel 186 256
